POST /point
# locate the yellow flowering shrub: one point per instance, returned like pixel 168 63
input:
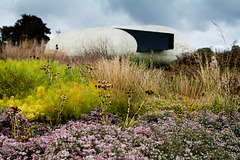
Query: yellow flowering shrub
pixel 33 107
pixel 10 102
pixel 60 103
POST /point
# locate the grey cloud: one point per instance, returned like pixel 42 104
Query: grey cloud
pixel 72 13
pixel 143 11
pixel 227 11
pixel 87 12
pixel 172 13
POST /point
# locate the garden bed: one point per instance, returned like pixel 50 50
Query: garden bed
pixel 161 135
pixel 181 111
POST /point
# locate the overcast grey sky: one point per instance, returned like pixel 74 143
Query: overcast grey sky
pixel 193 18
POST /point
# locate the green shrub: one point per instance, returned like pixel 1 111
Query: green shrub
pixel 60 104
pixel 19 77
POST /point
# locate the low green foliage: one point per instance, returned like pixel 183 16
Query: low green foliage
pixel 57 104
pixel 19 77
pixel 60 104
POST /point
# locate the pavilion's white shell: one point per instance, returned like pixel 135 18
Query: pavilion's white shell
pixel 111 40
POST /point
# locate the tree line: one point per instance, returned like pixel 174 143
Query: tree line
pixel 29 27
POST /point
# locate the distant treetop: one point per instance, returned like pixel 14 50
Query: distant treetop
pixel 28 27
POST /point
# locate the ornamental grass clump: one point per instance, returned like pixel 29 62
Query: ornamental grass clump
pixel 192 90
pixel 33 50
pixel 125 74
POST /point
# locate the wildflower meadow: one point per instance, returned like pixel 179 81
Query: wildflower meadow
pixel 98 107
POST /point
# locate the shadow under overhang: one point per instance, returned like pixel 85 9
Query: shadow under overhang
pixel 151 41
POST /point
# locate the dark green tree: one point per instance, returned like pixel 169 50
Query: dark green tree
pixel 28 27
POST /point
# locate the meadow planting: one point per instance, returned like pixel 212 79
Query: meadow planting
pixel 95 107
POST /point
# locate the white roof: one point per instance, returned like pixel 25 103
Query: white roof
pixel 113 41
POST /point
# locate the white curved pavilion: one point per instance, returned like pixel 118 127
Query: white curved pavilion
pixel 164 44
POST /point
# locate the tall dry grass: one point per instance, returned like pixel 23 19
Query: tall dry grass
pixel 201 88
pixel 125 74
pixel 31 49
pixel 206 87
pixel 35 50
